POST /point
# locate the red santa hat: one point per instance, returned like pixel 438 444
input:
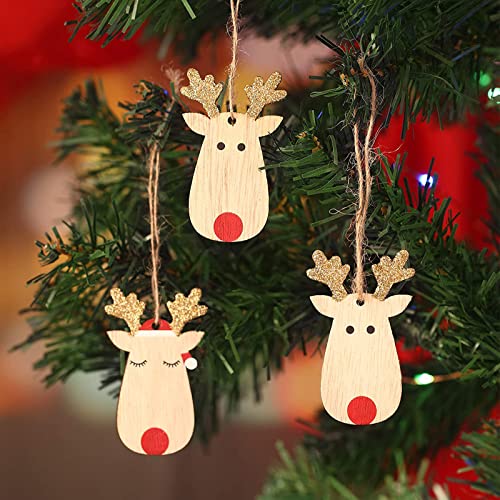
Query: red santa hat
pixel 189 362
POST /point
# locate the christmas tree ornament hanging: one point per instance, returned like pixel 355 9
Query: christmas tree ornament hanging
pixel 155 414
pixel 361 377
pixel 229 199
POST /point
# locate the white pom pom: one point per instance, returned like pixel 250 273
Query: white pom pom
pixel 191 363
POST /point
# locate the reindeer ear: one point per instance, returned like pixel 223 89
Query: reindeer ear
pixel 189 340
pixel 396 304
pixel 325 305
pixel 197 122
pixel 122 340
pixel 267 124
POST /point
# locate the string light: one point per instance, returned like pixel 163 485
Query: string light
pixel 493 93
pixel 423 379
pixel 426 378
pixel 425 179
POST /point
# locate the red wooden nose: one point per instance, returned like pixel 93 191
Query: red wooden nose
pixel 361 410
pixel 228 227
pixel 154 441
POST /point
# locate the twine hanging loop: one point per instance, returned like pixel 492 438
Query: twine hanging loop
pixel 153 183
pixel 233 30
pixel 363 162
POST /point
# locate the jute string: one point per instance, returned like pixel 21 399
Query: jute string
pixel 363 162
pixel 153 182
pixel 235 7
pixel 153 163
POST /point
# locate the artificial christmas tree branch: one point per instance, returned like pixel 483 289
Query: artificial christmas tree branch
pixel 481 453
pixel 305 477
pixel 427 55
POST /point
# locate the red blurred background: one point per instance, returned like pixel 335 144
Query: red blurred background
pixel 61 443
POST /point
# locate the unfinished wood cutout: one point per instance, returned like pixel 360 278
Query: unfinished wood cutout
pixel 155 413
pixel 361 376
pixel 229 199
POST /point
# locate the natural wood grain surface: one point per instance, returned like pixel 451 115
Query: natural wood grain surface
pixel 359 364
pixel 155 413
pixel 228 178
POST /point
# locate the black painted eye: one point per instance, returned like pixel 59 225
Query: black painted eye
pixel 370 329
pixel 142 363
pixel 349 329
pixel 172 365
pixel 241 146
pixel 221 145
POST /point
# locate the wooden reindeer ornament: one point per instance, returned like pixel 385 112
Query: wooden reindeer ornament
pixel 361 376
pixel 229 199
pixel 155 410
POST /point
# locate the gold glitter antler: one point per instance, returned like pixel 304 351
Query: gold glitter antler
pixel 128 308
pixel 260 93
pixel 204 91
pixel 184 309
pixel 390 271
pixel 330 272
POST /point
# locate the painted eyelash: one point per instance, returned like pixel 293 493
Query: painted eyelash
pixel 142 363
pixel 172 365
